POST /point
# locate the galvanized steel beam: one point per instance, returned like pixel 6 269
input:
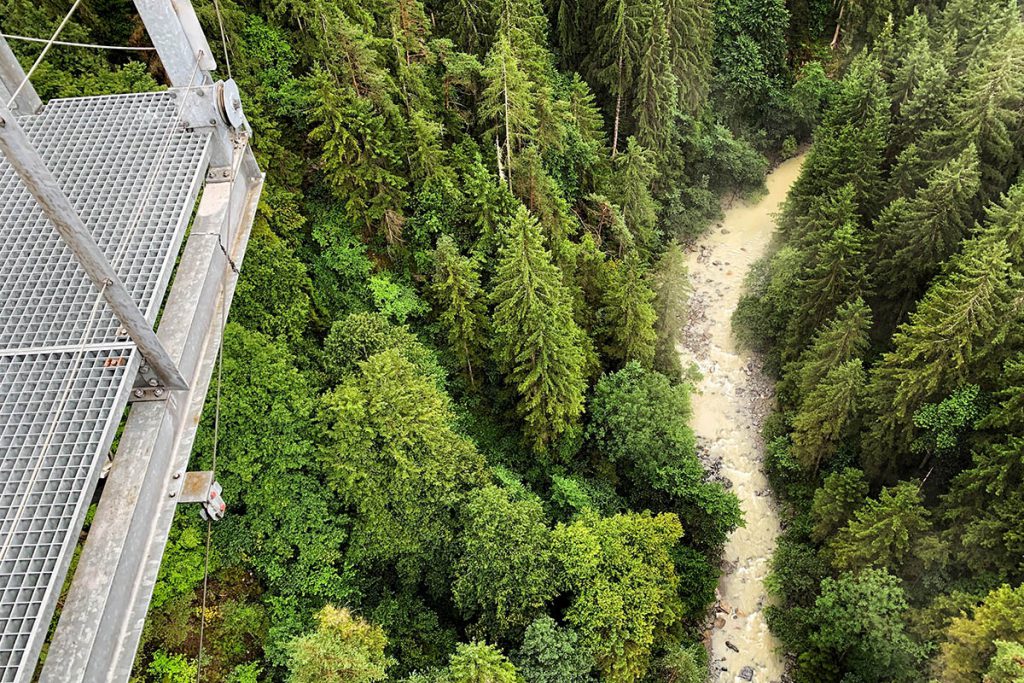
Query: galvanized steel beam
pixel 179 40
pixel 11 78
pixel 105 610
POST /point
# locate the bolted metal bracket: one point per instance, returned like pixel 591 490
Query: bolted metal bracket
pixel 219 174
pixel 200 487
pixel 140 394
pixel 148 386
pixel 146 376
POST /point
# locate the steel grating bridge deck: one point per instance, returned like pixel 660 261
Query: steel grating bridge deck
pixel 132 172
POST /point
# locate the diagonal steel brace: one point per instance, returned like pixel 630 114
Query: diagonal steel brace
pixel 39 181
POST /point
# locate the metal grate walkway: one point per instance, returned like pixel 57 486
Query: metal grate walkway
pixel 132 172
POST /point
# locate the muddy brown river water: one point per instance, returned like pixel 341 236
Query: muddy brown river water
pixel 729 403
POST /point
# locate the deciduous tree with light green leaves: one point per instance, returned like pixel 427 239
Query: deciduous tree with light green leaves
pixel 343 649
pixel 971 640
pixel 393 455
pixel 858 629
pixel 620 575
pixel 480 663
pixel 506 571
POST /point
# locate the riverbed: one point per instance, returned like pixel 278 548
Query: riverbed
pixel 730 403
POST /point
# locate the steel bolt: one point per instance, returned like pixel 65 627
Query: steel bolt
pixel 177 475
pixel 153 382
pixel 213 122
pixel 172 494
pixel 139 393
pixel 158 392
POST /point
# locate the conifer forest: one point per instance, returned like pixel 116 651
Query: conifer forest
pixel 458 444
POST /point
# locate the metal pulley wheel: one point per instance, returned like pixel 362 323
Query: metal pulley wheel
pixel 230 102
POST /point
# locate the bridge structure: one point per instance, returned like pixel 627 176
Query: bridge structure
pixel 123 222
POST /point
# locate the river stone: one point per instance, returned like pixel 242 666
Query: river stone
pixel 747 673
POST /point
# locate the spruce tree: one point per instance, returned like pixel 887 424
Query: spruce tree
pixel 978 25
pixel 919 234
pixel 843 339
pixel 672 290
pixel 508 104
pixel 849 146
pixel 463 309
pixel 1005 222
pixel 884 533
pixel 631 189
pixel 824 214
pixel 690 34
pixel 628 313
pixel 619 35
pixel 925 104
pixel 656 88
pixel 828 415
pixel 838 275
pixel 963 317
pixel 469 24
pixel 834 503
pixel 361 153
pixel 984 502
pixel 536 343
pixel 989 112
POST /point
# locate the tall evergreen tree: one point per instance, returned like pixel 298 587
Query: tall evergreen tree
pixel 985 500
pixel 849 145
pixel 463 309
pixel 620 34
pixel 656 86
pixel 926 105
pixel 989 112
pixel 690 34
pixel 536 343
pixel 917 235
pixel 843 339
pixel 884 533
pixel 1005 223
pixel 834 503
pixel 962 318
pixel 361 156
pixel 508 103
pixel 828 415
pixel 628 313
pixel 632 182
pixel 838 275
pixel 672 290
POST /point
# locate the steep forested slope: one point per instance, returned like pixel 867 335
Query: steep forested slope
pixel 891 311
pixel 454 426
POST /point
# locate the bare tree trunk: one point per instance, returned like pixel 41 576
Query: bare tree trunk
pixel 618 110
pixel 508 128
pixel 498 154
pixel 839 23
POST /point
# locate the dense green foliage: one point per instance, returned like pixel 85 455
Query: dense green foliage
pixel 455 442
pixel 891 311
